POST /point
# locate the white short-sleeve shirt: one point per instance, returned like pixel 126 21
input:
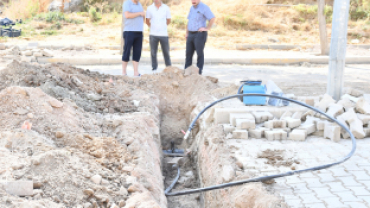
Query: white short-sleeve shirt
pixel 158 19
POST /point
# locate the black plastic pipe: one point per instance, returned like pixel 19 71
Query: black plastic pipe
pixel 265 178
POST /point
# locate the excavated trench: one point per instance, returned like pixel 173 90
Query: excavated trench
pixel 117 125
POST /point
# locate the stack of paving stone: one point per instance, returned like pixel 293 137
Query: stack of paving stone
pixel 295 123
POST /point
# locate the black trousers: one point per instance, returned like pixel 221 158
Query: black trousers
pixel 196 42
pixel 133 40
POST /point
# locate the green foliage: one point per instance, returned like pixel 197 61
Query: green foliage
pixel 307 11
pixel 49 32
pixel 83 14
pixel 94 15
pixel 179 21
pixel 359 13
pixel 50 17
pixel 328 11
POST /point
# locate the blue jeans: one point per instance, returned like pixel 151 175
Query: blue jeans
pixel 132 40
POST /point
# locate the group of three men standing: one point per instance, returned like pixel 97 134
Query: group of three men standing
pixel 158 16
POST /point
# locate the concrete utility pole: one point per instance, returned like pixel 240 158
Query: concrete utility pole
pixel 322 27
pixel 338 47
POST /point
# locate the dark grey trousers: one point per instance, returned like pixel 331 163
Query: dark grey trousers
pixel 196 42
pixel 165 45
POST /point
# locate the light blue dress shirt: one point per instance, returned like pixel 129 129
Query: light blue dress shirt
pixel 134 24
pixel 198 17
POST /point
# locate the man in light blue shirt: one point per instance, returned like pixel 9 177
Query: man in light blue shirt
pixel 134 16
pixel 196 32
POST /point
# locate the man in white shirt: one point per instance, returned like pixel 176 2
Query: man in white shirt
pixel 158 16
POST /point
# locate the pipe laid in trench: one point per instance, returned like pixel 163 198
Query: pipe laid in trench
pixel 265 178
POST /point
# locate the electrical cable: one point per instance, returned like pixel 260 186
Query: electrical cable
pixel 265 178
pixel 174 181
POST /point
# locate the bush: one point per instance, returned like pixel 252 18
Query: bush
pixel 179 21
pixel 94 15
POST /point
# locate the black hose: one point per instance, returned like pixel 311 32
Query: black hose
pixel 265 178
pixel 174 181
pixel 240 91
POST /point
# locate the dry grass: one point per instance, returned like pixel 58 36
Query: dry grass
pixel 23 9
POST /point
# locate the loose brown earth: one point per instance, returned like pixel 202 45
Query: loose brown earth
pixel 85 126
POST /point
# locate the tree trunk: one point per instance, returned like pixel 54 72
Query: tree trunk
pixel 322 27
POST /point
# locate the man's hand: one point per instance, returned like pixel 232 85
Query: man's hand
pixel 186 36
pixel 203 29
pixel 142 14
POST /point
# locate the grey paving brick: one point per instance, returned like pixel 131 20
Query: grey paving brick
pixel 295 203
pixel 301 188
pixel 361 175
pixel 322 192
pixel 351 166
pixel 347 196
pixel 366 199
pixel 356 204
pixel 334 202
pixel 360 191
pixel 339 172
pixel 326 177
pixel 315 205
pixel 293 179
pixel 314 182
pixel 349 181
pixel 309 198
pixel 336 187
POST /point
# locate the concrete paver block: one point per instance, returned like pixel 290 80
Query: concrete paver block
pixel 357 129
pixel 332 132
pixel 310 101
pixel 367 132
pixel 275 124
pixel 335 110
pixel 320 125
pixel 234 116
pixel 297 115
pixel 246 124
pixel 309 128
pixel 286 114
pixel 255 133
pixel 362 106
pixel 346 103
pixel 325 102
pixel 228 128
pixel 298 135
pixel 262 116
pixel 276 135
pixel 240 134
pixel 364 118
pixel 292 123
pixel 349 116
pixel 18 188
pixel 311 120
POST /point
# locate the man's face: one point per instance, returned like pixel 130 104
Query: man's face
pixel 157 1
pixel 195 2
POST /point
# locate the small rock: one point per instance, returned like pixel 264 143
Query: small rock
pixel 56 103
pixel 104 182
pixel 212 79
pixel 59 134
pixel 77 81
pixel 30 115
pixel 2 46
pixel 96 179
pixel 273 40
pixel 175 84
pixel 47 53
pixel 129 140
pixel 123 191
pixel 88 205
pixel 133 188
pixel 355 41
pixel 122 204
pixel 94 97
pixel 27 53
pixel 20 111
pixel 88 192
pixel 136 103
pixel 114 206
pixel 191 70
pixel 37 54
